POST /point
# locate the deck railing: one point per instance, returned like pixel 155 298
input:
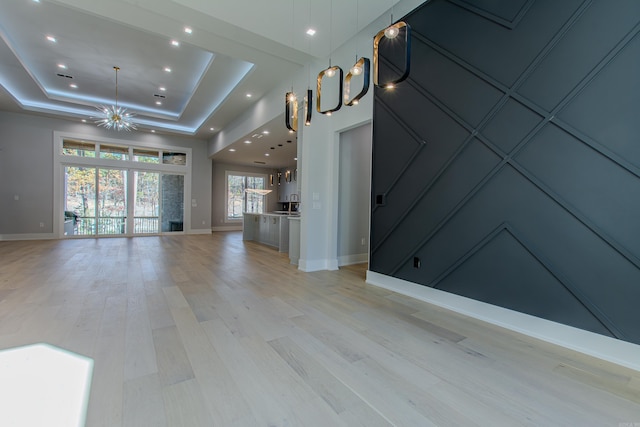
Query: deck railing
pixel 86 226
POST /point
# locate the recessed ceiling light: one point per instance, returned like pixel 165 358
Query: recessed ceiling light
pixel 188 30
pixel 247 142
pixel 175 43
pixel 249 95
pixel 162 89
pixel 73 86
pixel 290 131
pixel 212 129
pixel 232 149
pixel 83 120
pixel 36 1
pixel 153 131
pixel 158 102
pixel 167 69
pixel 266 132
pixel 62 66
pixel 295 158
pixel 51 39
pixel 266 154
pixel 311 32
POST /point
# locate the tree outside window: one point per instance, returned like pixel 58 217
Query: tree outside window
pixel 239 200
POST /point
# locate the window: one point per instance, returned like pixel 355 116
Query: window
pixel 239 200
pixel 114 152
pixel 146 156
pixel 72 147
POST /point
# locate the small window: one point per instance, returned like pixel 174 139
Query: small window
pixel 114 152
pixel 146 156
pixel 174 158
pixel 72 147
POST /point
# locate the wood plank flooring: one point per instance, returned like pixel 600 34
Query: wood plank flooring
pixel 213 331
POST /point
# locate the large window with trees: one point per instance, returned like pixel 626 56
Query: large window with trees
pixel 110 188
pixel 239 200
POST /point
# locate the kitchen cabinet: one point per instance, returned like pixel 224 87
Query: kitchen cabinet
pixel 268 229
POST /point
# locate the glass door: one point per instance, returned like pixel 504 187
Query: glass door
pixel 112 201
pixel 146 204
pixel 80 201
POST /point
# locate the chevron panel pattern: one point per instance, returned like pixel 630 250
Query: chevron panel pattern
pixel 509 162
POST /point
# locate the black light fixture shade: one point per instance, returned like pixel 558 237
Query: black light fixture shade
pixel 308 100
pixel 390 33
pixel 332 70
pixel 364 65
pixel 291 111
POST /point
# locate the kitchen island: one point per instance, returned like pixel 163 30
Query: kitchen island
pixel 270 229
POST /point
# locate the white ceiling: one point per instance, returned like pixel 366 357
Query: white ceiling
pixel 237 47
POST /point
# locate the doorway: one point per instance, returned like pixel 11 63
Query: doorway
pixel 354 184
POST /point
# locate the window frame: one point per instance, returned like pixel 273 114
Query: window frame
pixel 232 220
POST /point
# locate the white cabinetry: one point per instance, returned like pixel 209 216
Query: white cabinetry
pixel 269 229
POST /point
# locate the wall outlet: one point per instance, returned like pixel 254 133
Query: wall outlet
pixel 42 225
pixel 362 241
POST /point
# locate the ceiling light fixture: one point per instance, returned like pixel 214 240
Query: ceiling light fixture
pixel 167 69
pixel 73 86
pixel 175 43
pixel 232 149
pixel 51 39
pixel 162 89
pixel 387 37
pixel 62 66
pixel 188 30
pixel 311 32
pixel 249 95
pixel 114 116
pixel 257 191
pixel 329 72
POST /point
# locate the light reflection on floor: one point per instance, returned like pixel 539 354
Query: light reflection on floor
pixel 43 385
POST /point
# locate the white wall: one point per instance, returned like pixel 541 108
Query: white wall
pixel 26 170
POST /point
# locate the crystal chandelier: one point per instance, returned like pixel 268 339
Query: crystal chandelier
pixel 114 116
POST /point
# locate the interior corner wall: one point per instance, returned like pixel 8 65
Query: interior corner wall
pixel 26 171
pixel 506 169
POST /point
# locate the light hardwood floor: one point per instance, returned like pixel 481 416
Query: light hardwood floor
pixel 213 331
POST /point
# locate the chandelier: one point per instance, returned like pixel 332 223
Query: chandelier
pixel 114 116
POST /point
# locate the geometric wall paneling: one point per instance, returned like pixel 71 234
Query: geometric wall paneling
pixel 586 264
pixel 394 44
pixel 327 75
pixel 459 89
pixel 485 174
pixel 507 13
pixel 402 231
pixel 608 201
pixel 539 292
pixel 491 48
pixel 603 108
pixel 360 70
pixel 553 79
pixel 511 124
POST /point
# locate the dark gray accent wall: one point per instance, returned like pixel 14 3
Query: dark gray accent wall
pixel 507 167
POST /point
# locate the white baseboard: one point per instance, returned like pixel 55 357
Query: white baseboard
pixel 353 259
pixel 610 349
pixel 317 264
pixel 28 236
pixel 228 228
pixel 200 231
